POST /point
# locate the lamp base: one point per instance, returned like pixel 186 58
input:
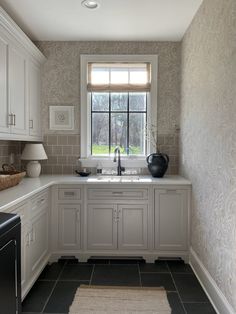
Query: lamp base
pixel 33 169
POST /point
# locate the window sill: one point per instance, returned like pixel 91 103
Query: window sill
pixel 129 162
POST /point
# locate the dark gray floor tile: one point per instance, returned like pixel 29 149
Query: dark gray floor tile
pixel 116 275
pixel 189 288
pixel 51 272
pixel 37 297
pixel 98 261
pixel 197 308
pixel 158 280
pixel 62 296
pixel 175 303
pixel 126 261
pixel 158 267
pixel 179 267
pixel 76 272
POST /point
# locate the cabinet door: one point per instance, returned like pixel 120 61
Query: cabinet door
pixel 38 238
pixel 24 258
pixel 34 99
pixel 102 227
pixel 132 226
pixel 69 226
pixel 17 91
pixel 4 127
pixel 171 220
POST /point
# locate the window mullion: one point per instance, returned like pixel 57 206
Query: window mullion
pixel 109 123
pixel 127 150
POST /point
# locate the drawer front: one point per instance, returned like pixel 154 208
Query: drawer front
pixel 22 211
pixel 69 194
pixel 39 202
pixel 127 194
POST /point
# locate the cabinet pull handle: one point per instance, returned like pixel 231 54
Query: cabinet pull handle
pixel 31 236
pixel 69 193
pixel 171 191
pixel 27 240
pixel 117 193
pixel 14 120
pixel 31 124
pixel 10 119
pixel 78 216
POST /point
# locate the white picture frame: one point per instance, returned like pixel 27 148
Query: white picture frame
pixel 61 118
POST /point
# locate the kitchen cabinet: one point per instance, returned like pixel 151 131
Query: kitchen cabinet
pixel 20 91
pixel 171 219
pixel 4 127
pixel 34 214
pixel 34 81
pixel 102 226
pixel 18 106
pixel 132 226
pixel 69 226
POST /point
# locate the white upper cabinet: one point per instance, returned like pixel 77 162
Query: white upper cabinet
pixel 4 126
pixel 17 92
pixel 34 77
pixel 20 91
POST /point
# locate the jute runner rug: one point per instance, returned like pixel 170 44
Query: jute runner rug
pixel 124 300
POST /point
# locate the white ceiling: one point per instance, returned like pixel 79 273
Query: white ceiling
pixel 164 20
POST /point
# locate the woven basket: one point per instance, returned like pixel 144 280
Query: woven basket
pixel 12 179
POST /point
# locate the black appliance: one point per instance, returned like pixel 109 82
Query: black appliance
pixel 10 264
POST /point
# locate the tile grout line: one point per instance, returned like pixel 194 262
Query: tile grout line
pixel 90 281
pixel 176 289
pixel 54 286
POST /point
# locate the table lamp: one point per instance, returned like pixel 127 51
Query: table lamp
pixel 33 153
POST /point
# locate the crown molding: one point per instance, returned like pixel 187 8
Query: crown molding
pixel 16 32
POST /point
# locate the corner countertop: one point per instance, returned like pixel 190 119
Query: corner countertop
pixel 30 186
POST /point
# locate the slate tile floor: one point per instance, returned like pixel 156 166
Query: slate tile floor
pixel 54 290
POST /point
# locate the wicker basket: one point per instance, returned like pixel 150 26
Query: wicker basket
pixel 12 178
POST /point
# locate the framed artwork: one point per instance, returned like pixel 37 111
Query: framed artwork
pixel 61 118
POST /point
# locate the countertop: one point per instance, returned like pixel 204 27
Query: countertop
pixel 29 186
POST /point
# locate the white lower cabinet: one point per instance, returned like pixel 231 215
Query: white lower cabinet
pixel 116 226
pixel 132 227
pixel 69 226
pixel 102 227
pixel 171 219
pixel 38 242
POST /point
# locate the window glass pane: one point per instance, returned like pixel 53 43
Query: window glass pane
pixel 138 76
pixel 119 101
pixel 137 101
pixel 119 131
pixel 100 76
pixel 100 101
pixel 137 133
pixel 119 76
pixel 100 133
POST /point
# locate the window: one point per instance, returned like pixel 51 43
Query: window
pixel 118 101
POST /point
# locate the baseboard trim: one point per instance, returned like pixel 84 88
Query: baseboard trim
pixel 213 292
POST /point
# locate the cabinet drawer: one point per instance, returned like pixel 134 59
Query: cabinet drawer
pixel 22 211
pixel 39 202
pixel 69 194
pixel 118 193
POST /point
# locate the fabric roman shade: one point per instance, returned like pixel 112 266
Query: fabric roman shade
pixel 119 77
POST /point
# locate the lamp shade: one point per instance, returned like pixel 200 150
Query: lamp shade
pixel 34 152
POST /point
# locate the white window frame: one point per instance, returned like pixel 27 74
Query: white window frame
pixel 87 159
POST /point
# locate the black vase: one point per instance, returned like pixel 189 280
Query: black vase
pixel 158 164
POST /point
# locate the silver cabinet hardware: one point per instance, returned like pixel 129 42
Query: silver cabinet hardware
pixel 117 193
pixel 14 120
pixel 31 124
pixel 10 119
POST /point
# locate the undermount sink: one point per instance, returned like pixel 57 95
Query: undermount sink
pixel 118 178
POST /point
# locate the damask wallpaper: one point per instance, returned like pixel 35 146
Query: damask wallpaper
pixel 61 86
pixel 208 138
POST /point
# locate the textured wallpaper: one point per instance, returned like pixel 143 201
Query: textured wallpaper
pixel 61 86
pixel 208 138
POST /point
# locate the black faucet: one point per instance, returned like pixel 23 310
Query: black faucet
pixel 119 168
